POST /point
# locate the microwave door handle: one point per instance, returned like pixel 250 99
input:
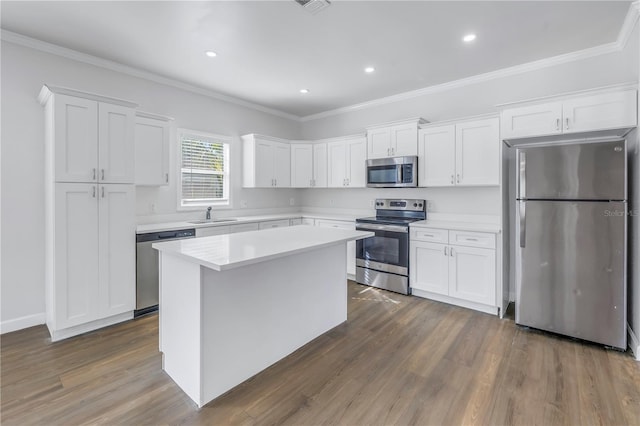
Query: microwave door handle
pixel 399 174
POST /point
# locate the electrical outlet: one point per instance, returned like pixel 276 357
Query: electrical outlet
pixel 243 204
pixel 292 201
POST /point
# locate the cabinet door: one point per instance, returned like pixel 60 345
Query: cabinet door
pixel 351 245
pixel 76 288
pixel 245 227
pixel 116 151
pixel 320 165
pixel 282 165
pixel 478 153
pixel 336 164
pixel 404 140
pixel 379 143
pixel 264 164
pixel 599 112
pixel 76 139
pixel 117 249
pixel 207 231
pixel 437 156
pixel 301 165
pixel 152 151
pixel 356 163
pixel 533 120
pixel 429 267
pixel 472 274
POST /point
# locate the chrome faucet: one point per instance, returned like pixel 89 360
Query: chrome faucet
pixel 208 216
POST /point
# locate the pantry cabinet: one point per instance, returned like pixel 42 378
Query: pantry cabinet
pixel 267 162
pixel 600 110
pixel 89 211
pixel 152 149
pixel 460 154
pixel 395 139
pixel 346 162
pixel 457 267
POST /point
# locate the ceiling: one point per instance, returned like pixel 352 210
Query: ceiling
pixel 269 50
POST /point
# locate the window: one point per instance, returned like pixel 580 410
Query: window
pixel 204 169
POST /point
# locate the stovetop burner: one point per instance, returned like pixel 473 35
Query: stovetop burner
pixel 388 220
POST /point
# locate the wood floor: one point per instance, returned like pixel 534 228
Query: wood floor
pixel 397 360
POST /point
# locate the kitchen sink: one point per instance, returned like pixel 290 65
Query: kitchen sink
pixel 197 222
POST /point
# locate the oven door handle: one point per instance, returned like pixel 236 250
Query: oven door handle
pixel 374 227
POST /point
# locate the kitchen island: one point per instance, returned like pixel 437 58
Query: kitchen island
pixel 232 305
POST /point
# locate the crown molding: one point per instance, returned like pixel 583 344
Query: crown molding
pixel 629 24
pixel 43 46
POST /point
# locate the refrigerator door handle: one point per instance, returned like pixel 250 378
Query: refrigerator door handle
pixel 523 222
pixel 522 181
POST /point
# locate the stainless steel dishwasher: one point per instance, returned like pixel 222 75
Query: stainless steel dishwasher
pixel 147 267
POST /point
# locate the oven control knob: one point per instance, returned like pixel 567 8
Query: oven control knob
pixel 415 204
pixel 420 205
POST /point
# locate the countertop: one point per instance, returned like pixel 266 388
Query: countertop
pixel 223 252
pixel 174 226
pixel 458 226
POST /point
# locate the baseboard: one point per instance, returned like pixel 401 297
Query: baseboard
pixel 22 322
pixel 65 333
pixel 634 343
pixel 493 310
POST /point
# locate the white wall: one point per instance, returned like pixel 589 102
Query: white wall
pixel 23 72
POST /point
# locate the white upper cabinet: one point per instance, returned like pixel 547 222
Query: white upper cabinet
pixel 393 139
pixel 92 136
pixel 602 110
pixel 116 150
pixel 437 156
pixel 461 154
pixel 301 165
pixel 266 162
pixel 75 122
pixel 152 136
pixel 346 162
pixel 478 152
pixel 320 165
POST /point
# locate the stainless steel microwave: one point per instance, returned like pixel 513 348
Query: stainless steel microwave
pixel 395 172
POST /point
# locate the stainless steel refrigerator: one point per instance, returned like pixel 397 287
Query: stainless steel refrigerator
pixel 571 221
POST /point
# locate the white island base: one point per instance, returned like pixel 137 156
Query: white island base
pixel 220 327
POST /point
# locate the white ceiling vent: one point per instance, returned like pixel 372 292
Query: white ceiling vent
pixel 313 6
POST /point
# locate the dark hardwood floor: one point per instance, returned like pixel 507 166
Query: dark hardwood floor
pixel 397 360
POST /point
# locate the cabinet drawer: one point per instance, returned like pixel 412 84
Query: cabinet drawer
pixel 308 221
pixel 245 227
pixel 472 239
pixel 335 224
pixel 430 235
pixel 293 222
pixel 274 224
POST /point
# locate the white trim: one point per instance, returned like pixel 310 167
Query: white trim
pixel 634 343
pixel 151 115
pixel 481 307
pixel 47 91
pixel 64 52
pixel 65 333
pixel 493 75
pixel 629 24
pixel 417 121
pixel 460 120
pixel 20 323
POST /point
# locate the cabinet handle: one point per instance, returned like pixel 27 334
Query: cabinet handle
pixel 445 250
pixel 458 178
pixel 393 151
pixel 557 124
pixel 388 151
pixel 471 239
pixel 166 177
pixel 102 171
pixel 93 191
pixel 275 182
pixel 451 251
pixel 452 180
pixel 102 188
pixel 94 173
pixel 567 123
pixel 347 182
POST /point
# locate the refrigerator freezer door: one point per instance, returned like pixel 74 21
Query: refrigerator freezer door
pixel 570 272
pixel 586 171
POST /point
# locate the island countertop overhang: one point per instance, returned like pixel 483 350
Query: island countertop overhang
pixel 223 252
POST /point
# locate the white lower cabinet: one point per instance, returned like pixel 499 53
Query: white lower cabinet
pixel 209 231
pixel 297 221
pixel 464 273
pixel 90 257
pixel 274 224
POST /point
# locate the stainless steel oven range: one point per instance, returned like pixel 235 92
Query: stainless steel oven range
pixel 383 260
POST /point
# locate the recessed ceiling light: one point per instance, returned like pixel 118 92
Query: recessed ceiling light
pixel 369 70
pixel 211 53
pixel 469 38
pixel 304 90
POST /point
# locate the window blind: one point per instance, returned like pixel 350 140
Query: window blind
pixel 203 174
